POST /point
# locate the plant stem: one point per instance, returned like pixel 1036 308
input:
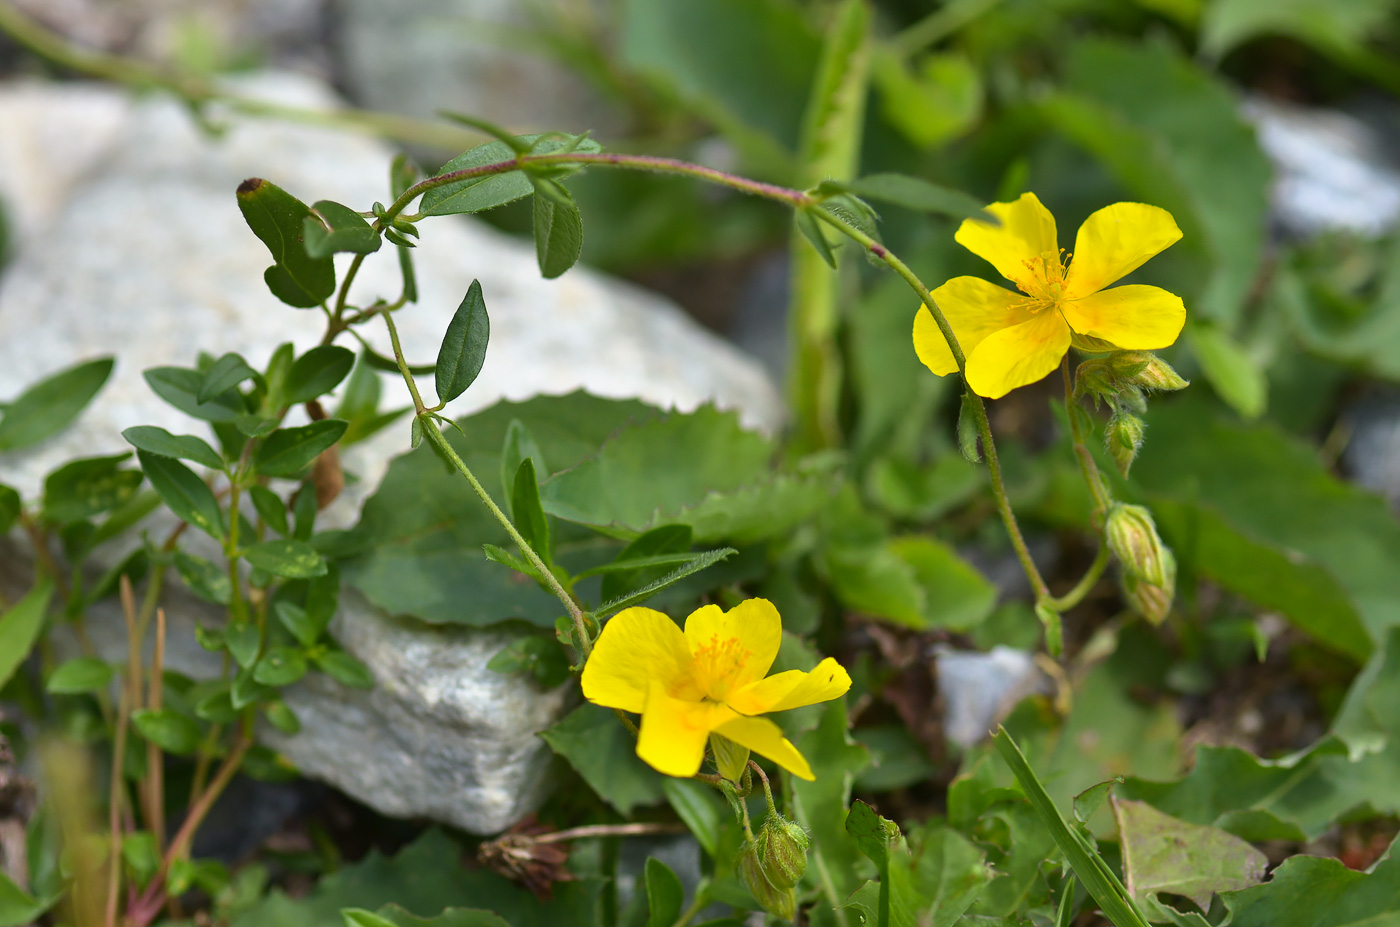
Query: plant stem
pixel 702 898
pixel 155 763
pixel 115 800
pixel 431 432
pixel 1081 589
pixel 767 786
pixel 637 829
pixel 1087 467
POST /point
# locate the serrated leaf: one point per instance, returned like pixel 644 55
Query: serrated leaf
pixel 278 218
pixel 19 628
pixel 79 675
pixel 286 557
pixel 317 372
pixel 52 404
pixel 184 493
pixel 84 488
pixel 463 349
pixel 224 374
pixel 336 228
pixel 179 386
pixel 625 573
pixel 167 729
pixel 287 452
pixel 475 194
pixel 558 228
pixel 157 440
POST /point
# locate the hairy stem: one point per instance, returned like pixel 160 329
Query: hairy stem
pixel 1087 467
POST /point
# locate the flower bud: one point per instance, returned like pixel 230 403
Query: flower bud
pixel 782 850
pixel 779 902
pixel 1123 438
pixel 1147 370
pixel 1152 601
pixel 1132 536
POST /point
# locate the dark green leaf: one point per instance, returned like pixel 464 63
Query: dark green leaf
pixel 345 669
pixel 248 691
pixel 244 640
pixel 52 404
pixel 596 744
pixel 304 513
pixel 10 505
pixel 286 557
pixel 184 493
pixel 317 372
pixel 79 675
pixel 281 666
pixel 1309 889
pixel 410 278
pixel 811 229
pixel 530 519
pixel 295 620
pixel 664 894
pixel 334 227
pixel 204 578
pixel 159 441
pixel 558 228
pixel 666 539
pixel 287 452
pixel 475 194
pixel 85 488
pixel 277 218
pixel 968 432
pixel 463 348
pixel 20 626
pixel 322 600
pixel 518 445
pixel 821 806
pixel 699 807
pixel 179 386
pixel 282 718
pixel 270 508
pixel 225 373
pixel 637 596
pixel 167 729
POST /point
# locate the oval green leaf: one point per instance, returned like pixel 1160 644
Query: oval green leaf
pixel 183 492
pixel 157 440
pixel 463 348
pixel 285 557
pixel 289 451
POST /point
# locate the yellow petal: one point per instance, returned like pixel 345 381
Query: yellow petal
pixel 766 739
pixel 1140 318
pixel 975 308
pixel 792 689
pixel 674 731
pixel 1027 231
pixel 637 646
pixel 1114 242
pixel 1018 355
pixel 734 648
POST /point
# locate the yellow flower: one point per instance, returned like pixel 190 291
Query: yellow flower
pixel 708 679
pixel 1010 339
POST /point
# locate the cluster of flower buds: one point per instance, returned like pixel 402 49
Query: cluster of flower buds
pixel 772 864
pixel 1121 380
pixel 1149 569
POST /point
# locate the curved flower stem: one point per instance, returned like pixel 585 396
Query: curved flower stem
pixel 1081 588
pixel 431 432
pixel 1087 467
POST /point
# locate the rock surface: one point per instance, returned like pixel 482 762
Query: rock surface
pixel 140 251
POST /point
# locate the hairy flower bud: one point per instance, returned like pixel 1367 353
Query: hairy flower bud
pixel 1123 438
pixel 782 850
pixel 779 902
pixel 1132 536
pixel 1150 600
pixel 1146 370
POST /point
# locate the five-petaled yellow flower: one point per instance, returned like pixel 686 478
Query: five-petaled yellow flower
pixel 1010 339
pixel 707 679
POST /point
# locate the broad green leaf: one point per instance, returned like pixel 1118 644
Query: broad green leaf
pixel 167 729
pixel 463 348
pixel 225 373
pixel 919 195
pixel 204 579
pixel 183 492
pixel 558 228
pixel 1165 854
pixel 1313 890
pixel 322 600
pixel 270 508
pixel 282 666
pixel 287 452
pixel 79 675
pixel 936 879
pixel 1337 28
pixel 836 866
pixel 664 894
pixel 244 639
pixel 155 440
pixel 1235 375
pixel 317 372
pixel 604 753
pixel 18 908
pixel 519 444
pixel 84 488
pixel 475 194
pixel 282 717
pixel 278 218
pixel 52 404
pixel 295 619
pixel 700 807
pixel 931 100
pixel 286 557
pixel 179 386
pixel 333 227
pixel 876 838
pixel 955 595
pixel 19 628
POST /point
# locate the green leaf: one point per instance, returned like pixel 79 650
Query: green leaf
pixel 530 519
pixel 333 227
pixel 931 100
pixel 637 596
pixel 821 806
pixel 813 230
pixel 1313 890
pixel 935 881
pixel 699 807
pixel 514 142
pixel 17 907
pixel 518 445
pixel 286 557
pixel 140 853
pixel 602 751
pixel 167 729
pixel 920 195
pixel 270 508
pixel 180 386
pixel 875 837
pixel 410 279
pixel 317 372
pixel 395 916
pixel 278 218
pixel 244 639
pixel 20 625
pixel 156 440
pixel 771 507
pixel 224 374
pixel 475 194
pixel 204 578
pixel 558 227
pixel 84 488
pixel 286 452
pixel 540 656
pixel 1165 854
pixel 345 669
pixel 282 666
pixel 463 348
pixel 52 404
pixel 282 718
pixel 626 573
pixel 79 675
pixel 955 595
pixel 1340 29
pixel 10 505
pixel 664 894
pixel 1235 376
pixel 184 493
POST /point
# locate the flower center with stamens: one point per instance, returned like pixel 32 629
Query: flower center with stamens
pixel 1045 278
pixel 716 664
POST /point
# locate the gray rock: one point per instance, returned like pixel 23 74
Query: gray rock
pixel 145 255
pixel 978 689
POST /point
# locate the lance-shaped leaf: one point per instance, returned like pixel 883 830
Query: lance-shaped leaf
pixel 334 227
pixel 183 492
pixel 463 348
pixel 638 596
pixel 157 440
pixel 83 488
pixel 225 373
pixel 530 519
pixel 20 626
pixel 278 218
pixel 286 557
pixel 289 451
pixel 50 405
